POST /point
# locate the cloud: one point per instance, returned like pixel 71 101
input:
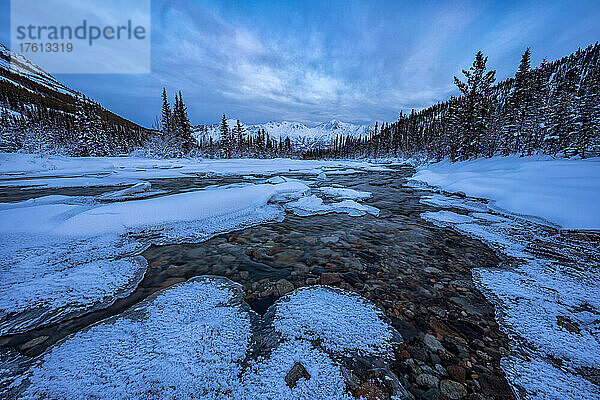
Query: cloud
pixel 311 61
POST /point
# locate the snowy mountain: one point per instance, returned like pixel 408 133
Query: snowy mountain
pixel 301 135
pixel 39 113
pixel 14 64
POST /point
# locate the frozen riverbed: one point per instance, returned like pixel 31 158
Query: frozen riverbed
pixel 101 259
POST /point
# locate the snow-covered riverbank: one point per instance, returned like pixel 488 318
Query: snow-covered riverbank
pixel 547 293
pixel 563 192
pixel 64 255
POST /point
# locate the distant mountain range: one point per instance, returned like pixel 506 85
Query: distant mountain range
pixel 27 88
pixel 302 136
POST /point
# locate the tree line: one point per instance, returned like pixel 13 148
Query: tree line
pixel 553 109
pixel 175 137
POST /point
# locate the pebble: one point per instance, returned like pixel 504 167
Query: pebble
pixel 433 344
pixel 296 373
pixel 330 278
pixel 284 286
pixel 456 372
pixel 34 342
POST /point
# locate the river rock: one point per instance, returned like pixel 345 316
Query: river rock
pixel 330 278
pixel 452 390
pixel 284 286
pixel 34 342
pixel 457 372
pixel 431 394
pixel 427 380
pixel 433 344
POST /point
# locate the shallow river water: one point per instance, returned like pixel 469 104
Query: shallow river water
pixel 427 273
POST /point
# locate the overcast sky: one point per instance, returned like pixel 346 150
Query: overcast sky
pixel 312 61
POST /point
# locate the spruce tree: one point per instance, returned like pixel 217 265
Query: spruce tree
pixel 166 114
pixel 477 106
pixel 225 138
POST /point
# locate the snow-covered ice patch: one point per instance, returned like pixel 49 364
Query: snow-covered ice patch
pixel 29 170
pixel 193 340
pixel 564 192
pixel 60 260
pixel 344 193
pixel 446 216
pixel 138 191
pixel 185 342
pixel 313 205
pixel 341 321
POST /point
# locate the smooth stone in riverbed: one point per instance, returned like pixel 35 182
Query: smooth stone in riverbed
pixel 284 286
pixel 427 380
pixel 433 344
pixel 456 372
pixel 330 278
pixel 296 373
pixel 431 394
pixel 453 390
pixel 34 342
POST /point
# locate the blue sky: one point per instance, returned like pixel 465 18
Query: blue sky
pixel 312 61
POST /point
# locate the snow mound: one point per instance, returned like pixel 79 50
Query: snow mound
pixel 344 193
pixel 563 192
pixel 341 321
pixel 193 340
pixel 313 205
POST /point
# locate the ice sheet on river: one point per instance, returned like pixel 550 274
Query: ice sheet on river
pixel 344 193
pixel 194 340
pixel 61 259
pixel 313 205
pixel 30 171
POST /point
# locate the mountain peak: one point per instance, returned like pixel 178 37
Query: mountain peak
pixel 302 136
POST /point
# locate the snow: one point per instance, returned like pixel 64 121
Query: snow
pixel 313 205
pixel 563 192
pixel 63 256
pixel 20 65
pixel 182 207
pixel 29 171
pixel 446 216
pixel 344 193
pixel 332 317
pixel 532 294
pixel 60 259
pixel 193 340
pixel 185 342
pixel 527 373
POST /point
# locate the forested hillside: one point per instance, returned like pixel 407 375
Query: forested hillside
pixel 39 114
pixel 553 109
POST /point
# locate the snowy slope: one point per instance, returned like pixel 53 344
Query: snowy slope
pixel 17 64
pixel 563 192
pixel 301 135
